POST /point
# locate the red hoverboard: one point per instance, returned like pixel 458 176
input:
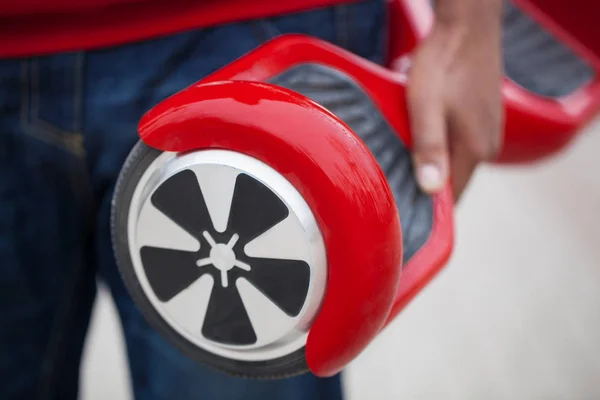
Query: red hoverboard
pixel 264 220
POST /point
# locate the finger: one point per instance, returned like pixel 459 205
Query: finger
pixel 430 143
pixel 462 165
pixel 468 149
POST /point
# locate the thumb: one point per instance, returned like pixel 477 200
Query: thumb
pixel 430 141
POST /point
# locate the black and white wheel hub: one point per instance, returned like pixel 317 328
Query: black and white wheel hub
pixel 228 253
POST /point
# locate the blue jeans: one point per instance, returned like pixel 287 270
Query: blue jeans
pixel 67 122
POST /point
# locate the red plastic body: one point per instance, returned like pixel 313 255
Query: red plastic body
pixel 338 177
pixel 536 127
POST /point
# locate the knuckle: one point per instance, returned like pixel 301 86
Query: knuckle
pixel 429 144
pixel 433 149
pixel 495 146
pixel 486 137
pixel 486 148
pixel 479 150
pixel 429 154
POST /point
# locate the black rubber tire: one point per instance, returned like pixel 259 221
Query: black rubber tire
pixel 136 164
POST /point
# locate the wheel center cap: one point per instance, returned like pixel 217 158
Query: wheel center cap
pixel 222 257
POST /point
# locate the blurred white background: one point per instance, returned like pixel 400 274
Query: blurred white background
pixel 515 315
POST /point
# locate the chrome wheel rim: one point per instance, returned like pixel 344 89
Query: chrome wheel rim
pixel 207 224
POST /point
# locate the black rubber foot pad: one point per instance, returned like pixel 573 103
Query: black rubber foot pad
pixel 345 98
pixel 537 61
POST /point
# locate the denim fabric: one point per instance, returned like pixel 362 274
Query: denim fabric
pixel 67 122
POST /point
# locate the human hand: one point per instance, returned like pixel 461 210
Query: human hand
pixel 454 94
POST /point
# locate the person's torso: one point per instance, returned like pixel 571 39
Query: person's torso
pixel 36 27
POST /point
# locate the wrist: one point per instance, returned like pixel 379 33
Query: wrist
pixel 460 14
pixel 465 30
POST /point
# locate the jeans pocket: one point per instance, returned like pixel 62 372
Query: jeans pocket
pixel 52 99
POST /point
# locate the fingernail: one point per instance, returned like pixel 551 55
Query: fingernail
pixel 430 178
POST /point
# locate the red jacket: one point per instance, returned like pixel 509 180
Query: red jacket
pixel 35 27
